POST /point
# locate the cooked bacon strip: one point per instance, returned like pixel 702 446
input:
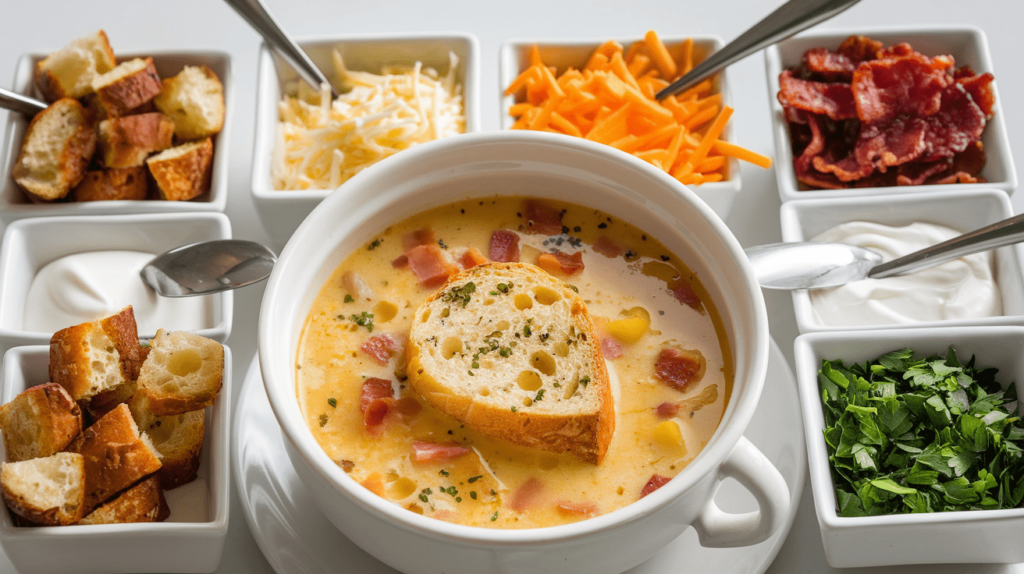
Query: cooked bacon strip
pixel 979 86
pixel 860 48
pixel 505 245
pixel 376 411
pixel 845 169
pixel 374 389
pixel 833 99
pixel 666 410
pixel 526 495
pixel 896 143
pixel 657 481
pixel 381 348
pixel 918 172
pixel 559 262
pixel 958 123
pixel 832 66
pixel 472 257
pixel 424 451
pixel 909 85
pixel 680 369
pixel 430 265
pixel 418 237
pixel 607 247
pixel 584 509
pixel 542 218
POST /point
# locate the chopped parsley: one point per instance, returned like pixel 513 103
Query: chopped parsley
pixel 540 396
pixel 363 319
pixel 494 516
pixel 585 381
pixel 376 243
pixel 514 409
pixel 442 244
pixel 443 472
pixel 425 493
pixel 333 402
pixel 526 328
pixel 323 420
pixel 472 494
pixel 573 287
pixel 460 294
pixel 473 479
pixel 504 351
pixel 451 491
pixel 471 373
pixel 349 299
pixel 915 435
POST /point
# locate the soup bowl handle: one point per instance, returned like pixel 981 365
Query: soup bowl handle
pixel 752 469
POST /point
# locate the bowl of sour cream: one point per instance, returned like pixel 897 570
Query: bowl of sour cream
pixel 61 271
pixel 981 289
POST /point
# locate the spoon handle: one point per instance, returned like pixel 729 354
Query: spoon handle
pixel 788 19
pixel 1005 232
pixel 257 15
pixel 18 103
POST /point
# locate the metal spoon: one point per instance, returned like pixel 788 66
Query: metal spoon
pixel 208 267
pixel 814 265
pixel 257 15
pixel 22 104
pixel 790 18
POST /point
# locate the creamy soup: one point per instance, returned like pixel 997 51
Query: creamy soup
pixel 651 313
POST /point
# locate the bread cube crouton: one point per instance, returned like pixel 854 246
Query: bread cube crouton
pixel 178 439
pixel 56 150
pixel 39 422
pixel 127 141
pixel 69 72
pixel 93 357
pixel 194 99
pixel 183 373
pixel 143 502
pixel 47 491
pixel 182 173
pixel 113 184
pixel 126 87
pixel 116 456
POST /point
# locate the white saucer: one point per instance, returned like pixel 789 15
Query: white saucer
pixel 297 539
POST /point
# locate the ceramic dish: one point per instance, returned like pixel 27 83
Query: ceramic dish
pixel 191 540
pixel 953 537
pixel 559 168
pixel 961 209
pixel 281 211
pixel 297 539
pixel 14 202
pixel 30 244
pixel 968 47
pixel 563 54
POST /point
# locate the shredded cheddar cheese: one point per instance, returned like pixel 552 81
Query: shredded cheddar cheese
pixel 321 144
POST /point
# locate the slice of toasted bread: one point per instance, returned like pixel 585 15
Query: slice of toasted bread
pixel 113 184
pixel 194 99
pixel 55 153
pixel 69 72
pixel 93 357
pixel 39 422
pixel 47 490
pixel 511 351
pixel 127 141
pixel 116 456
pixel 143 502
pixel 128 86
pixel 183 172
pixel 183 373
pixel 178 439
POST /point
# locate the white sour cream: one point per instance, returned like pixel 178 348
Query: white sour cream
pixel 89 286
pixel 961 289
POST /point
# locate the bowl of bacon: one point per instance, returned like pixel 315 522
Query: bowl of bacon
pixel 883 111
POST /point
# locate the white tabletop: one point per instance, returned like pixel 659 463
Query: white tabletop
pixel 137 26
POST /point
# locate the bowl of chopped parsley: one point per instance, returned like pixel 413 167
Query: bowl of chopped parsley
pixel 915 444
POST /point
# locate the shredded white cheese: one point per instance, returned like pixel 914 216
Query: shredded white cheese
pixel 321 144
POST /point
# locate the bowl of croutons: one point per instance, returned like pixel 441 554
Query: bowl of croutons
pixel 122 133
pixel 115 452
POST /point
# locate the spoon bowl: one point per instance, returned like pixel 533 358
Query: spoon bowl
pixel 208 267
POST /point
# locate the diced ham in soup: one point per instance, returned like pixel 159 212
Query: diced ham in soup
pixel 430 265
pixel 504 246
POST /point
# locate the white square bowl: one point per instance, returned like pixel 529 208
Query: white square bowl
pixel 958 208
pixel 16 204
pixel 281 211
pixel 192 538
pixel 966 44
pixel 29 244
pixel 960 537
pixel 563 54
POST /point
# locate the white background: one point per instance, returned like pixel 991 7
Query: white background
pixel 141 25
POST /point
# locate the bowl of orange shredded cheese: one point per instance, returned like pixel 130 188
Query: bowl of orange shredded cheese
pixel 603 91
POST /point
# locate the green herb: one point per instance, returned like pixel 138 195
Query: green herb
pixel 376 243
pixel 504 287
pixel 494 516
pixel 513 409
pixel 471 373
pixel 573 287
pixel 424 493
pixel 333 402
pixel 443 472
pixel 458 499
pixel 442 244
pixel 460 294
pixel 475 365
pixel 585 381
pixel 323 420
pixel 540 395
pixel 452 491
pixel 504 351
pixel 913 435
pixel 363 319
pixel 472 494
pixel 526 328
pixel 349 299
pixel 473 479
